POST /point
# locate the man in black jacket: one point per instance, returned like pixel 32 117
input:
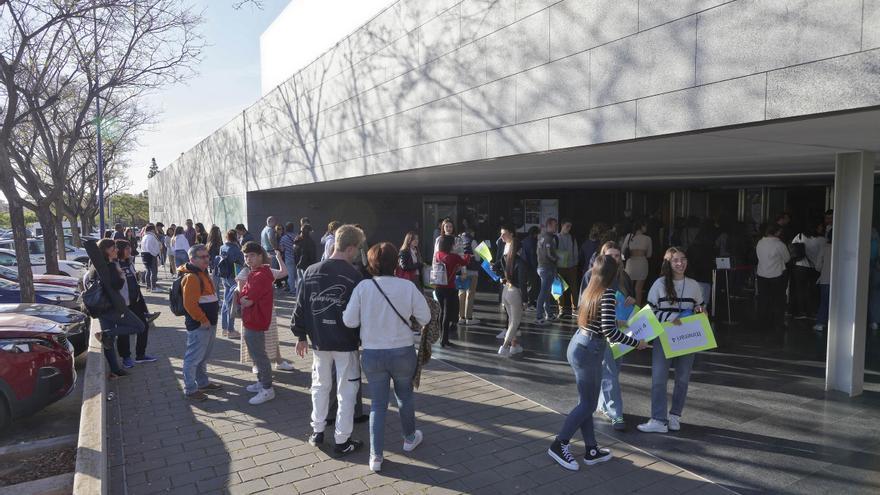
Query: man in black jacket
pixel 324 292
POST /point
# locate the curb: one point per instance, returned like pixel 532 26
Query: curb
pixel 90 477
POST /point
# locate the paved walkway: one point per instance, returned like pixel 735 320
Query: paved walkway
pixel 479 437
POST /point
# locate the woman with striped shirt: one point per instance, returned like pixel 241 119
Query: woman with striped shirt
pixel 596 324
pixel 672 297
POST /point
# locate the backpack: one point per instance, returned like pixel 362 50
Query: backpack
pixel 175 297
pixel 225 266
pixel 798 251
pixel 438 274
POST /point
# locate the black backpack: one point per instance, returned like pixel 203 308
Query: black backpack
pixel 225 266
pixel 798 251
pixel 175 297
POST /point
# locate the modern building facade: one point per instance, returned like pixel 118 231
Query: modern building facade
pixel 514 110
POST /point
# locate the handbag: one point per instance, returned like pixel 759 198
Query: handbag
pixel 626 251
pixel 95 300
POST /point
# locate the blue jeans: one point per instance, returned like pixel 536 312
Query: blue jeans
pixel 227 319
pixel 547 275
pixel 659 375
pixel 381 367
pixel 585 355
pixel 151 263
pixel 199 343
pixel 610 398
pixel 292 274
pixel 121 324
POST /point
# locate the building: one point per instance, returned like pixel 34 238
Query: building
pixel 511 111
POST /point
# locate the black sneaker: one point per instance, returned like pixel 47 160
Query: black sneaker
pixel 595 455
pixel 343 449
pixel 560 453
pixel 316 439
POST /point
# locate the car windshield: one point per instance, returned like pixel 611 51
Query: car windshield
pixel 36 247
pixel 6 284
pixel 8 273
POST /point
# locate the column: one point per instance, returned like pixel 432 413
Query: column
pixel 851 243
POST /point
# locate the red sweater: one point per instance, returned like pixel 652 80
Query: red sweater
pixel 453 262
pixel 259 289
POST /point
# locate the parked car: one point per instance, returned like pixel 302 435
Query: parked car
pixel 38 264
pixel 10 292
pixel 37 250
pixel 36 365
pixel 11 274
pixel 76 325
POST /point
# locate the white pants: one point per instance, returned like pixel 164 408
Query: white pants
pixel 348 374
pixel 511 298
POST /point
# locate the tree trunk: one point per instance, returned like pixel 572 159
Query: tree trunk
pixel 59 227
pixel 86 227
pixel 22 253
pixel 74 230
pixel 50 240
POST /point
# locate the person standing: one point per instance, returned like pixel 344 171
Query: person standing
pixel 200 319
pixel 637 248
pixel 325 290
pixel 610 397
pixel 257 311
pixel 118 232
pixel 547 259
pixel 567 251
pixel 138 306
pixel 286 247
pixel 181 247
pixel 190 232
pixel 446 293
pixel 512 268
pixel 597 325
pixel 823 264
pixel 151 249
pixel 304 250
pixel 328 242
pixel 231 260
pixel 244 236
pixel 409 259
pixel 169 249
pixel 271 343
pixel 773 256
pixel 382 308
pixel 805 249
pixel 201 234
pixel 530 255
pixel 215 242
pixel 672 296
pixel 471 276
pixel 268 240
pixel 163 253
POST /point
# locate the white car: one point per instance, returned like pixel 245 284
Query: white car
pixel 38 264
pixel 38 250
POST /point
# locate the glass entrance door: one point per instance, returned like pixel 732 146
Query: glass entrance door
pixel 435 209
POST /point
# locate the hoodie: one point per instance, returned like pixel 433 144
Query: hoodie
pixel 324 292
pixel 259 289
pixel 199 299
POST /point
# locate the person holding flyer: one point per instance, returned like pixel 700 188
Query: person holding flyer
pixel 672 297
pixel 597 324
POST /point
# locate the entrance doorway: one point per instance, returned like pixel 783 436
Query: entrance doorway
pixel 435 209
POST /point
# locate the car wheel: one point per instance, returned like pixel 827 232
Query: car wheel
pixel 5 415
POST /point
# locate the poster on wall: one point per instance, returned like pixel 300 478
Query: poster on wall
pixel 537 211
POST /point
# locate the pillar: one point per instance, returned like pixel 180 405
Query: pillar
pixel 851 244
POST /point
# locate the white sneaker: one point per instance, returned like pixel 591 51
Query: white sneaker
pixel 653 426
pixel 501 334
pixel 284 366
pixel 674 422
pixel 254 387
pixel 255 370
pixel 473 321
pixel 462 321
pixel 375 464
pixel 410 446
pixel 818 327
pixel 517 349
pixel 504 351
pixel 264 395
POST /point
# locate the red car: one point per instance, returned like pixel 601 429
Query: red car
pixel 36 365
pixel 11 274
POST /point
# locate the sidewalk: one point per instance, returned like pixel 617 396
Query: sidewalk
pixel 479 438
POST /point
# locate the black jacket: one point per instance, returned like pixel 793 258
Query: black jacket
pixel 304 252
pixel 406 262
pixel 519 273
pixel 324 292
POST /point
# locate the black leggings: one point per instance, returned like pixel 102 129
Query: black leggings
pixel 448 299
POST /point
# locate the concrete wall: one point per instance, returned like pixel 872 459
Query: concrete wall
pixel 433 82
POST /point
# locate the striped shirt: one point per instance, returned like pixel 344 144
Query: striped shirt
pixel 687 296
pixel 606 324
pixel 286 246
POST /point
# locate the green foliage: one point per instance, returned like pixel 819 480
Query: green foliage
pixel 29 218
pixel 130 209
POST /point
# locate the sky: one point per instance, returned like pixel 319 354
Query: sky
pixel 228 81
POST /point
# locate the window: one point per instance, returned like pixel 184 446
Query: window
pixel 7 259
pixel 36 247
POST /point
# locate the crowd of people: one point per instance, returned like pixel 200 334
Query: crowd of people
pixel 357 306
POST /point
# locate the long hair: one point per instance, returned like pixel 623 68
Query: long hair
pixel 443 225
pixel 510 258
pixel 215 238
pixel 179 231
pixel 304 232
pixel 667 274
pixel 407 240
pixel 603 273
